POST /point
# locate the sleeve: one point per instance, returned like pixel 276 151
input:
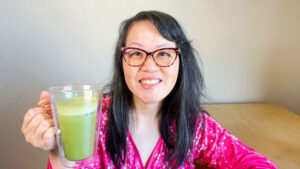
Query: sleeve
pixel 218 148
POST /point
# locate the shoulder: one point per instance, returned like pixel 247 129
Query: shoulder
pixel 104 109
pixel 105 103
pixel 206 131
pixel 106 100
pixel 205 122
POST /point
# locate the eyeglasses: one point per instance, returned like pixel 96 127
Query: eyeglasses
pixel 136 57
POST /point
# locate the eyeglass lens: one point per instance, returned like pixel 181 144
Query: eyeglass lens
pixel 136 57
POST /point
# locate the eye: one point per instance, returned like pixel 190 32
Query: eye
pixel 163 54
pixel 136 53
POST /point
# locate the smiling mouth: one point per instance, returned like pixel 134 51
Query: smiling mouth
pixel 150 82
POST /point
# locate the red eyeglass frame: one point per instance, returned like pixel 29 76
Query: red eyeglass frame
pixel 177 50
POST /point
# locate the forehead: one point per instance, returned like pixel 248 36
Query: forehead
pixel 145 34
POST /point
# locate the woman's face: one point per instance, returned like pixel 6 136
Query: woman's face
pixel 149 83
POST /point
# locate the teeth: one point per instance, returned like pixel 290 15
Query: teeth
pixel 149 81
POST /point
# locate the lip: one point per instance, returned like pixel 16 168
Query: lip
pixel 149 78
pixel 150 86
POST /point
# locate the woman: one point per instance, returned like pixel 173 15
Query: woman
pixel 152 117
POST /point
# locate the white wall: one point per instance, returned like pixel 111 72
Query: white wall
pixel 250 52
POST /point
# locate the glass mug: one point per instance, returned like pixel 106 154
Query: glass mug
pixel 76 112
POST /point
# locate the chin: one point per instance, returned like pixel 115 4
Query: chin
pixel 151 100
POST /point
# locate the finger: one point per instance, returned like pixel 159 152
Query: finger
pixel 42 128
pixel 43 102
pixel 49 139
pixel 35 122
pixel 44 94
pixel 48 108
pixel 44 98
pixel 31 113
pixel 37 137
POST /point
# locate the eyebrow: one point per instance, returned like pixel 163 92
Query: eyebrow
pixel 162 45
pixel 136 43
pixel 140 45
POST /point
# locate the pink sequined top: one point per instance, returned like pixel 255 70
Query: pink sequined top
pixel 213 145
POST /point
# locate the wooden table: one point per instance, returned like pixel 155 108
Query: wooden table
pixel 268 128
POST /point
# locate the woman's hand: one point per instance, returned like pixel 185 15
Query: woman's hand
pixel 38 125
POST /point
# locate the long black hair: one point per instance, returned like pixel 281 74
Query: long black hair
pixel 182 106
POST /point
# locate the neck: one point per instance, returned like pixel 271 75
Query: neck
pixel 144 113
pixel 149 110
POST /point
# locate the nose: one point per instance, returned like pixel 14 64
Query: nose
pixel 149 65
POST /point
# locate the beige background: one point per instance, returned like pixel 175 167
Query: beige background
pixel 250 52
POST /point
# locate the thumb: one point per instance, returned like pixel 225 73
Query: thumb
pixel 44 95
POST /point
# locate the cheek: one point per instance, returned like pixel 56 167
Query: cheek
pixel 129 75
pixel 175 71
pixel 126 74
pixel 173 75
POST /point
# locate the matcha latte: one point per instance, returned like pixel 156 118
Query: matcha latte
pixel 77 121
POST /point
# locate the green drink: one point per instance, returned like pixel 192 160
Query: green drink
pixel 74 108
pixel 77 121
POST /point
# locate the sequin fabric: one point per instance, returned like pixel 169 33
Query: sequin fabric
pixel 212 145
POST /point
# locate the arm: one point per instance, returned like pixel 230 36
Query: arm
pixel 219 149
pixel 54 161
